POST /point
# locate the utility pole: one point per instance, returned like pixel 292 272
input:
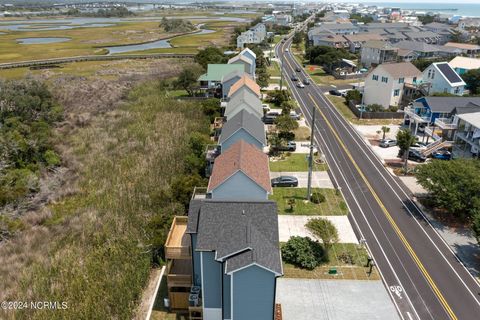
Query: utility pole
pixel 310 157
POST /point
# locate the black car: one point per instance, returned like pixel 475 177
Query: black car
pixel 269 119
pixel 416 156
pixel 335 93
pixel 306 81
pixel 294 78
pixel 298 69
pixel 285 181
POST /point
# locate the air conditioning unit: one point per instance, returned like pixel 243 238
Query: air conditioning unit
pixel 193 300
pixel 195 290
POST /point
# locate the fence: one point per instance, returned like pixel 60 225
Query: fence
pixel 374 115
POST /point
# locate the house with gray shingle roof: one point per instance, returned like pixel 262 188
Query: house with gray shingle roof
pixel 243 126
pixel 244 100
pixel 236 257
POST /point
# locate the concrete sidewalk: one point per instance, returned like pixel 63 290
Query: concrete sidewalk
pixel 290 225
pixel 320 179
pixel 308 299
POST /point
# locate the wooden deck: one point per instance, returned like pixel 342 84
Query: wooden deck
pixel 177 245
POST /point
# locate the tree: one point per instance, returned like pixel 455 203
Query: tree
pixel 426 19
pixel 353 95
pixel 176 25
pixel 287 106
pixel 385 130
pixel 211 108
pixel 405 139
pixel 325 56
pixel 262 77
pixel 324 230
pixel 297 38
pixel 291 203
pixel 210 55
pixel 188 78
pixel 472 79
pixel 303 252
pixel 285 123
pixel 476 226
pixel 453 185
pixel 278 97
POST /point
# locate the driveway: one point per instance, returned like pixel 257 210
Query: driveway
pixel 307 299
pixel 290 225
pixel 320 179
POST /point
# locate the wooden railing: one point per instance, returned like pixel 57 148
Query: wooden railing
pixel 179 280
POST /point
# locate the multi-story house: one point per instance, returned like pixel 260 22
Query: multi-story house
pixel 211 81
pixel 255 34
pixel 247 62
pixel 229 80
pixel 244 100
pixel 244 83
pixel 462 65
pixel 356 41
pixel 240 173
pixel 385 84
pixel 243 126
pixel 378 52
pixel 443 79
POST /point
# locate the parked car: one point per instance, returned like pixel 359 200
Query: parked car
pixel 298 69
pixel 273 113
pixel 269 119
pixel 335 93
pixel 306 81
pixel 294 115
pixel 290 146
pixel 418 145
pixel 442 154
pixel 385 143
pixel 294 78
pixel 285 181
pixel 416 156
pixel 286 50
pixel 300 85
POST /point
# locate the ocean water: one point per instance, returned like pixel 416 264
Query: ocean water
pixel 460 9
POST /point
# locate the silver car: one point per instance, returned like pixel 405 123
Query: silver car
pixel 385 143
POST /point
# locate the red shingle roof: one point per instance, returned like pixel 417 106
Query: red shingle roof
pixel 244 157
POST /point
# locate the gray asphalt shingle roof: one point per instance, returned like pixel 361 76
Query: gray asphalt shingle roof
pixel 416 46
pixel 248 122
pixel 241 233
pixel 448 104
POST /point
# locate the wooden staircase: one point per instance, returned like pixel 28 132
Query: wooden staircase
pixel 436 145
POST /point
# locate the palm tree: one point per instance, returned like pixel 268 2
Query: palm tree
pixel 405 139
pixel 385 130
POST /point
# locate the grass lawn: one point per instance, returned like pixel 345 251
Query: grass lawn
pixel 332 206
pixel 355 271
pixel 302 133
pixel 294 162
pixel 322 78
pixel 340 104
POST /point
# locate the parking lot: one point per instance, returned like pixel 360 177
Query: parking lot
pixel 308 299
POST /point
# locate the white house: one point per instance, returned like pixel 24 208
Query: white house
pixel 385 84
pixel 443 79
pixel 255 34
pixel 248 63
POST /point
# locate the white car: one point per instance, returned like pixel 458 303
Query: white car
pixel 286 50
pixel 300 85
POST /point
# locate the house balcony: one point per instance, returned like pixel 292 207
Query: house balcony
pixel 446 123
pixel 200 193
pixel 179 273
pixel 218 123
pixel 467 137
pixel 177 245
pixel 212 151
pixel 418 118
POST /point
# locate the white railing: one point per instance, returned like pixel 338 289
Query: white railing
pixel 411 113
pixel 446 123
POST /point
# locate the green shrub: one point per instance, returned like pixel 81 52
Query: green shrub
pixel 318 197
pixel 303 252
pixel 51 158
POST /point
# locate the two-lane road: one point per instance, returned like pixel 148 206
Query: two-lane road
pixel 421 273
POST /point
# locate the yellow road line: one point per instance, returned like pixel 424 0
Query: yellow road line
pixel 390 219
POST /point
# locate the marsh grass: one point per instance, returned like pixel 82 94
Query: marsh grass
pixel 93 248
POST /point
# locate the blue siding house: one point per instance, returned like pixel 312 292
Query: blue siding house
pixel 239 257
pixel 243 126
pixel 240 173
pixel 229 80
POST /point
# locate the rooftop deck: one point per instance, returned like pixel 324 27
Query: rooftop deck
pixel 177 245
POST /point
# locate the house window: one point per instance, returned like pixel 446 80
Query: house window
pixel 385 79
pixel 429 74
pixel 433 74
pixel 401 80
pixel 457 90
pixel 396 93
pixel 375 77
pixel 414 79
